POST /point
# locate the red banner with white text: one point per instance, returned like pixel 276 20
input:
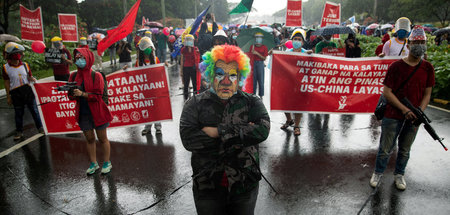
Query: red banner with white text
pixel 68 27
pixel 331 15
pixel 326 84
pixel 294 13
pixel 31 26
pixel 136 96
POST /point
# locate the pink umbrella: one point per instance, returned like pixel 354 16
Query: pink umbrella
pixel 179 32
pixel 373 26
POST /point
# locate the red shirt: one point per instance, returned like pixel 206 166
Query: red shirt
pixel 414 89
pixel 262 51
pixel 189 57
pixel 63 68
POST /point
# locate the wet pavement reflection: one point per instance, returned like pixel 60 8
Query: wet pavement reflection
pixel 325 170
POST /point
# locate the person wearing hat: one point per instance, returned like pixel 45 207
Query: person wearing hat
pixel 220 38
pixel 190 56
pixel 325 43
pixel 83 43
pixel 398 121
pixel 223 127
pixel 259 54
pixel 17 78
pixel 396 46
pixel 61 70
pixel 146 56
pixel 298 40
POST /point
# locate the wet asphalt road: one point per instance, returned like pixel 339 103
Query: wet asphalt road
pixel 325 170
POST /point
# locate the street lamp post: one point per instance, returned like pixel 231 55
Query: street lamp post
pixel 163 9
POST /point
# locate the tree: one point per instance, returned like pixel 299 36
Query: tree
pixel 7 6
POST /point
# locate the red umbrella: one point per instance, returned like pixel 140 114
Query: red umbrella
pixel 154 24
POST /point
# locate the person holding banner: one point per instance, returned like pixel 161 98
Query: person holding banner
pixel 325 43
pixel 352 48
pixel 222 127
pixel 17 78
pixel 61 71
pixel 91 111
pixel 298 40
pixel 398 121
pixel 146 57
pixel 260 53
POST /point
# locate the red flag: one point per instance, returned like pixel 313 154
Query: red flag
pixel 125 27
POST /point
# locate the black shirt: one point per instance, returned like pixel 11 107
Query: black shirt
pixel 124 56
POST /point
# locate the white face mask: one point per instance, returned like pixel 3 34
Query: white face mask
pixel 259 40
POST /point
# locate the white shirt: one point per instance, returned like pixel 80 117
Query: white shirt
pixel 393 47
pixel 17 75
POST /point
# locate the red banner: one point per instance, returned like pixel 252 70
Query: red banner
pixel 31 24
pixel 68 27
pixel 294 13
pixel 326 84
pixel 338 52
pixel 331 15
pixel 136 96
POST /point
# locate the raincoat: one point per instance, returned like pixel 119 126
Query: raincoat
pixel 99 110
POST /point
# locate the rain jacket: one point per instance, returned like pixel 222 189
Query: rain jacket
pixel 99 110
pixel 228 156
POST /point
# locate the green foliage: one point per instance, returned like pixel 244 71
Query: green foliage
pixel 439 57
pixel 368 45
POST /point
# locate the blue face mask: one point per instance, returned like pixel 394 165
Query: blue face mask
pixel 81 63
pixel 297 44
pixel 234 37
pixel 401 34
pixel 259 40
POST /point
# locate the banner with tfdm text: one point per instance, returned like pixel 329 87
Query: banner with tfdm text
pixel 68 27
pixel 31 26
pixel 326 84
pixel 136 96
pixel 294 13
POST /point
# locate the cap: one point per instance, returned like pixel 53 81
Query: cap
pixel 189 36
pixel 299 31
pixel 13 47
pixel 259 34
pixel 403 23
pixel 417 33
pixel 82 38
pixel 145 43
pixel 56 38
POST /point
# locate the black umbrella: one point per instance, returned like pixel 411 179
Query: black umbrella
pixel 441 31
pixel 333 29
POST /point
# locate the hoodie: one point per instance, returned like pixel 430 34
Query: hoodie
pixel 99 110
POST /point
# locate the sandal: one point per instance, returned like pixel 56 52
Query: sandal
pixel 297 131
pixel 287 124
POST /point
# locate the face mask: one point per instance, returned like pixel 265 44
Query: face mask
pixel 57 45
pixel 234 37
pixel 80 62
pixel 189 43
pixel 148 51
pixel 297 44
pixel 15 56
pixel 83 43
pixel 401 34
pixel 418 50
pixel 259 40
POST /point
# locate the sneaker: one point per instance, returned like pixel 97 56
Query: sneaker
pixel 106 168
pixel 145 132
pixel 158 128
pixel 400 182
pixel 92 168
pixel 376 177
pixel 18 135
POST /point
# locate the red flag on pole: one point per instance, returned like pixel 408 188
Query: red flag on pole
pixel 125 27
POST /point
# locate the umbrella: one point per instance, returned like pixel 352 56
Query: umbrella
pixel 428 25
pixel 372 26
pixel 97 36
pixel 154 24
pixel 179 32
pixel 246 38
pixel 266 28
pixel 386 26
pixel 154 30
pixel 441 31
pixel 333 29
pixel 8 38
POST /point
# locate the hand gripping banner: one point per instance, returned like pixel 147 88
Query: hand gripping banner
pixel 326 84
pixel 136 96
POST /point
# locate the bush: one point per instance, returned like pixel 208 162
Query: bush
pixel 440 58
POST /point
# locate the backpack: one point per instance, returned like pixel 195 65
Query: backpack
pixel 105 87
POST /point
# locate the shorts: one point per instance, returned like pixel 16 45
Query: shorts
pixel 86 123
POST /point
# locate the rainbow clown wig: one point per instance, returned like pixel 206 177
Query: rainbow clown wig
pixel 226 53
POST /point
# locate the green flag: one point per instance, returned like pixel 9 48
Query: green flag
pixel 242 7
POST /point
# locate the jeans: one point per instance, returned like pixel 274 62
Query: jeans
pixel 189 73
pixel 258 77
pixel 220 202
pixel 20 111
pixel 391 129
pixel 161 53
pixel 112 55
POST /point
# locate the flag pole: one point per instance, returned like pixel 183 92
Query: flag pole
pixel 247 16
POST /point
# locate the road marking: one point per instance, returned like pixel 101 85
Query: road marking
pixel 442 109
pixel 19 145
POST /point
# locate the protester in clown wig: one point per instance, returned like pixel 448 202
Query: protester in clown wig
pixel 222 127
